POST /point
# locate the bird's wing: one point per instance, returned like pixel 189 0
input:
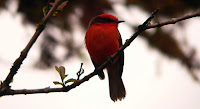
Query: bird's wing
pixel 121 58
pixel 100 73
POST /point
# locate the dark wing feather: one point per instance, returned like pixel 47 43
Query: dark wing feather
pixel 100 73
pixel 121 58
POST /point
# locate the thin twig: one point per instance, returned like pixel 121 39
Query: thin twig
pixel 80 72
pixel 18 61
pixel 173 20
pixel 141 28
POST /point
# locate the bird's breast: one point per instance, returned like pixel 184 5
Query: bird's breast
pixel 102 42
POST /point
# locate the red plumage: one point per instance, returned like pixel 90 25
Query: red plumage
pixel 102 40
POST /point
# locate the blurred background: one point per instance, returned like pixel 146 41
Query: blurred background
pixel 161 68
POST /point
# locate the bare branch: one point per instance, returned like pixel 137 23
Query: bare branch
pixel 173 20
pixel 18 62
pixel 48 89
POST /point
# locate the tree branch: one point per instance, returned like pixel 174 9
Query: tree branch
pixel 18 61
pixel 140 29
pixel 174 20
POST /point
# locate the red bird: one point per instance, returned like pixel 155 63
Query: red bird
pixel 102 40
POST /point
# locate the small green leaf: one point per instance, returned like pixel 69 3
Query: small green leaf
pixel 57 83
pixel 57 69
pixel 70 80
pixel 55 13
pixel 64 76
pixel 61 71
pixel 45 10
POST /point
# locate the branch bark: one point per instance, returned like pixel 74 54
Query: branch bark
pixel 140 29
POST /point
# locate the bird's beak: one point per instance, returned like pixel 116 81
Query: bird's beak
pixel 120 21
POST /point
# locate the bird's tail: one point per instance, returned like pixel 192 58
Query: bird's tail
pixel 116 86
